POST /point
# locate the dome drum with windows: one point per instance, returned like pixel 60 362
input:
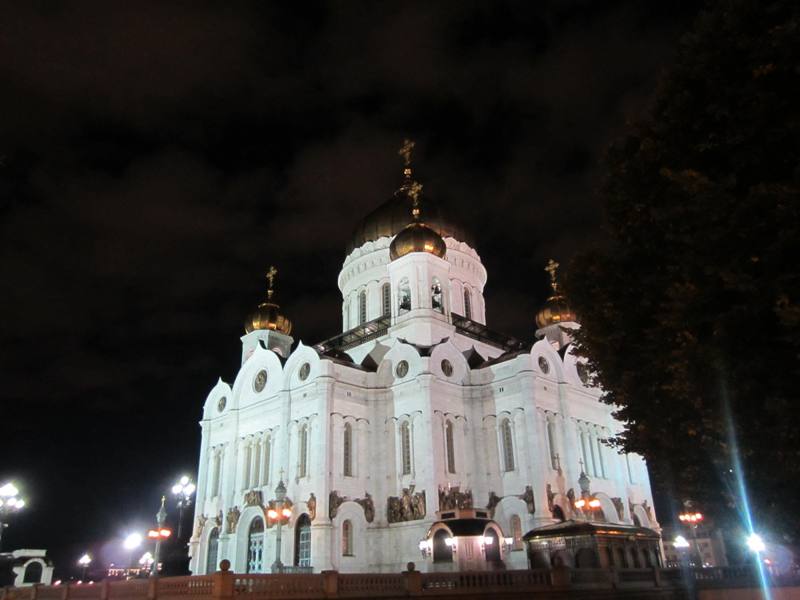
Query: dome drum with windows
pixel 268 315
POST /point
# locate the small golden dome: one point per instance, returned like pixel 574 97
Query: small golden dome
pixel 417 237
pixel 556 310
pixel 267 315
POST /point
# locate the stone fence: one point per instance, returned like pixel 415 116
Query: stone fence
pixel 560 582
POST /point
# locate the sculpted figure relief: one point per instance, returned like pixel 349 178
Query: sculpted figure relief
pixel 527 497
pixel 311 503
pixel 368 505
pixel 233 519
pixel 199 525
pixel 334 502
pixel 451 498
pixel 409 506
pixel 494 500
pixel 618 504
pixel 253 498
pixel 551 496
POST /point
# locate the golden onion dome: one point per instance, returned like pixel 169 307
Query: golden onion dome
pixel 555 310
pixel 417 237
pixel 267 315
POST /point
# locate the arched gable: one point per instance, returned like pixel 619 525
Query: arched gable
pixel 543 349
pixel 292 370
pixel 244 392
pixel 448 351
pixel 388 368
pixel 213 403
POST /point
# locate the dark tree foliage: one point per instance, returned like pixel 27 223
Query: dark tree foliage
pixel 693 306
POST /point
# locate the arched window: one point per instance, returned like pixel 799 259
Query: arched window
pixel 600 461
pixel 33 572
pixel 551 443
pixel 346 315
pixel 403 296
pixel 347 450
pixel 255 546
pixel 467 303
pixel 516 532
pixel 248 456
pixel 591 442
pixel 302 542
pixel 213 550
pixel 405 447
pixel 216 473
pixel 584 452
pixel 508 445
pixel 631 478
pixel 437 301
pixel 267 444
pixel 302 463
pixel 386 300
pixel 362 307
pixel 347 538
pixel 257 463
pixel 451 454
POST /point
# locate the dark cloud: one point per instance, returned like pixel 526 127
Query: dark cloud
pixel 155 158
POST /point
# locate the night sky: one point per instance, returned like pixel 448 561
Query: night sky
pixel 156 158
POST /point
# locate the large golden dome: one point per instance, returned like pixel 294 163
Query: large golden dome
pixel 417 237
pixel 555 310
pixel 267 315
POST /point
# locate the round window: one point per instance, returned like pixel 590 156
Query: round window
pixel 221 403
pixel 402 369
pixel 260 380
pixel 304 371
pixel 447 368
pixel 544 365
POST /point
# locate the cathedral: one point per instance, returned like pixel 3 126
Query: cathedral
pixel 418 433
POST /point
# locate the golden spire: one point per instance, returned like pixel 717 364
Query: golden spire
pixel 551 268
pixel 271 273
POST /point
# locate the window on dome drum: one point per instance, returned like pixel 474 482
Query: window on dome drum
pixel 211 553
pixel 551 442
pixel 403 296
pixel 386 297
pixel 362 307
pixel 405 447
pixel 302 463
pixel 437 302
pixel 516 532
pixel 508 445
pixel 255 546
pixel 451 455
pixel 347 450
pixel 347 538
pixel 467 303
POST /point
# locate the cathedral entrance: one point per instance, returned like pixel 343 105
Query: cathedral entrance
pixel 302 542
pixel 492 544
pixel 255 547
pixel 442 551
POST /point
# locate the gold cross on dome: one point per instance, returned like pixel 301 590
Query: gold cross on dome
pixel 271 275
pixel 406 150
pixel 551 268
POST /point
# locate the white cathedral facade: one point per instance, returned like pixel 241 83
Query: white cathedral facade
pixel 418 434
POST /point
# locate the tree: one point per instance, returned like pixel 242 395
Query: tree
pixel 692 307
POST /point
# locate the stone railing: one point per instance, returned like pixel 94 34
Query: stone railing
pixel 226 585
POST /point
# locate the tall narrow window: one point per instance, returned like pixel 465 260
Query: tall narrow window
pixel 516 532
pixel 508 445
pixel 601 463
pixel 346 315
pixel 405 447
pixel 211 553
pixel 267 458
pixel 257 463
pixel 347 538
pixel 302 542
pixel 255 546
pixel 403 296
pixel 467 304
pixel 590 439
pixel 437 303
pixel 347 450
pixel 551 443
pixel 584 452
pixel 302 467
pixel 386 300
pixel 630 469
pixel 362 307
pixel 451 454
pixel 247 458
pixel 216 469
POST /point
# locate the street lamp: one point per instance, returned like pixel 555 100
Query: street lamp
pixel 159 534
pixel 279 513
pixel 10 502
pixel 146 561
pixel 184 490
pixel 84 561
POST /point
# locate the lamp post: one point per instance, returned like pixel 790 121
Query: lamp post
pixel 132 541
pixel 10 502
pixel 692 519
pixel 84 562
pixel 183 490
pixel 279 513
pixel 146 562
pixel 159 534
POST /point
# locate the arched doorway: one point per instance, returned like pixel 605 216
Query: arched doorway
pixel 491 544
pixel 213 548
pixel 302 541
pixel 442 552
pixel 558 514
pixel 33 573
pixel 255 546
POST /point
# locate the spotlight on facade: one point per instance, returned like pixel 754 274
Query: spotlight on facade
pixel 755 543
